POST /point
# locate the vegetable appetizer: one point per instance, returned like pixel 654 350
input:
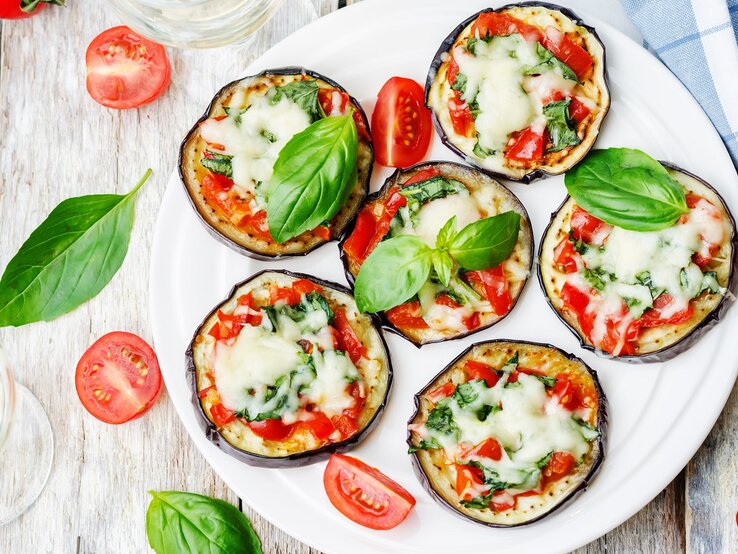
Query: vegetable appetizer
pixel 520 91
pixel 279 163
pixel 286 370
pixel 442 250
pixel 508 432
pixel 649 282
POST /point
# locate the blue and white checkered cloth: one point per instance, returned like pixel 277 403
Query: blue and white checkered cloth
pixel 698 41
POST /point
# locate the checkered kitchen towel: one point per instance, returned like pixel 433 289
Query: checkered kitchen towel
pixel 698 41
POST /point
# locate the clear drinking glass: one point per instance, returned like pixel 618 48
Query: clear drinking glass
pixel 26 446
pixel 195 23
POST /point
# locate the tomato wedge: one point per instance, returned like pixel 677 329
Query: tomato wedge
pixel 118 378
pixel 125 70
pixel 364 494
pixel 401 124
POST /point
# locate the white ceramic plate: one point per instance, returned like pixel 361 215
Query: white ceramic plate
pixel 659 414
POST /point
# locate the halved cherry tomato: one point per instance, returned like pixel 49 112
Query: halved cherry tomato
pixel 468 481
pixel 364 494
pixel 566 257
pixel 567 51
pixel 125 70
pixel 439 393
pixel 477 370
pixel 118 378
pixel 407 315
pixel 422 175
pixel 488 448
pixel 347 339
pixel 496 287
pixel 401 124
pixel 271 429
pixel 10 9
pixel 588 228
pixel 501 24
pixel 527 146
pixel 461 117
pixel 653 316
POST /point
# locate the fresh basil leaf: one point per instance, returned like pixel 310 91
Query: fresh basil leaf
pixel 487 409
pixel 460 81
pixel 598 278
pixel 317 302
pixel 478 503
pixel 303 93
pixel 490 476
pixel 189 523
pixel 626 188
pixel 441 419
pixel 543 462
pixel 588 431
pixel 447 233
pixel 709 283
pixel 271 137
pixel 29 6
pixel 431 189
pixel 69 258
pixel 430 444
pixel 444 265
pixel 217 163
pixel 480 152
pixel 313 176
pixel 271 313
pixel 230 112
pixel 547 381
pixel 561 129
pixel 487 242
pixel 547 62
pixel 466 393
pixel 393 273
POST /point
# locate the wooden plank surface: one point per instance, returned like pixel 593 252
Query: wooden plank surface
pixel 57 143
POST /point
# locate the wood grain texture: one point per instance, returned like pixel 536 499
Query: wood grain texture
pixel 57 143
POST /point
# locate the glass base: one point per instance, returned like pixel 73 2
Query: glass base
pixel 25 460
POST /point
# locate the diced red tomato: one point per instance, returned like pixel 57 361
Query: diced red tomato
pixel 496 288
pixel 527 146
pixel 472 321
pixel 461 117
pixel 578 110
pixel 708 248
pixel 204 392
pixel 446 300
pixel 221 415
pixel 355 411
pixel 229 325
pixel 323 232
pixel 452 72
pixel 422 175
pixel 439 393
pixel 370 228
pixel 364 494
pixel 588 228
pixel 257 225
pixel 566 257
pixel 502 501
pixel 567 51
pixel 477 370
pixel 345 425
pixel 320 426
pixel 468 481
pixel 513 378
pixel 286 294
pixel 494 24
pixel 653 317
pixel 488 448
pixel 560 465
pixel 407 315
pixel 347 339
pixel 568 393
pixel 271 429
pixel 214 188
pixel 336 102
pixel 576 301
pixel 303 286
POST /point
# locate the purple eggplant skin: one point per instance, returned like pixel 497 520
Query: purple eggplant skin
pixel 601 444
pixel 446 45
pixel 220 237
pixel 685 343
pixel 391 181
pixel 293 460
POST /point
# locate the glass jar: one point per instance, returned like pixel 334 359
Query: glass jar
pixel 195 23
pixel 26 446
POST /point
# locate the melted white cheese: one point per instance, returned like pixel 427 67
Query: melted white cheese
pixel 249 142
pixel 434 214
pixel 329 389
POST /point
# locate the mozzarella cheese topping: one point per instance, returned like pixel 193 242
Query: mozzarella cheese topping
pixel 528 424
pixel 255 137
pixel 434 214
pixel 265 371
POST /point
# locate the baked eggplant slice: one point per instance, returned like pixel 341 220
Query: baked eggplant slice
pixel 286 371
pixel 641 296
pixel 418 201
pixel 519 91
pixel 227 158
pixel 508 432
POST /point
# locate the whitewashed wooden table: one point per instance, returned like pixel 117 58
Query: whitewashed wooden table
pixel 56 143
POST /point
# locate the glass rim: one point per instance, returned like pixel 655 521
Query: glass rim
pixel 7 394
